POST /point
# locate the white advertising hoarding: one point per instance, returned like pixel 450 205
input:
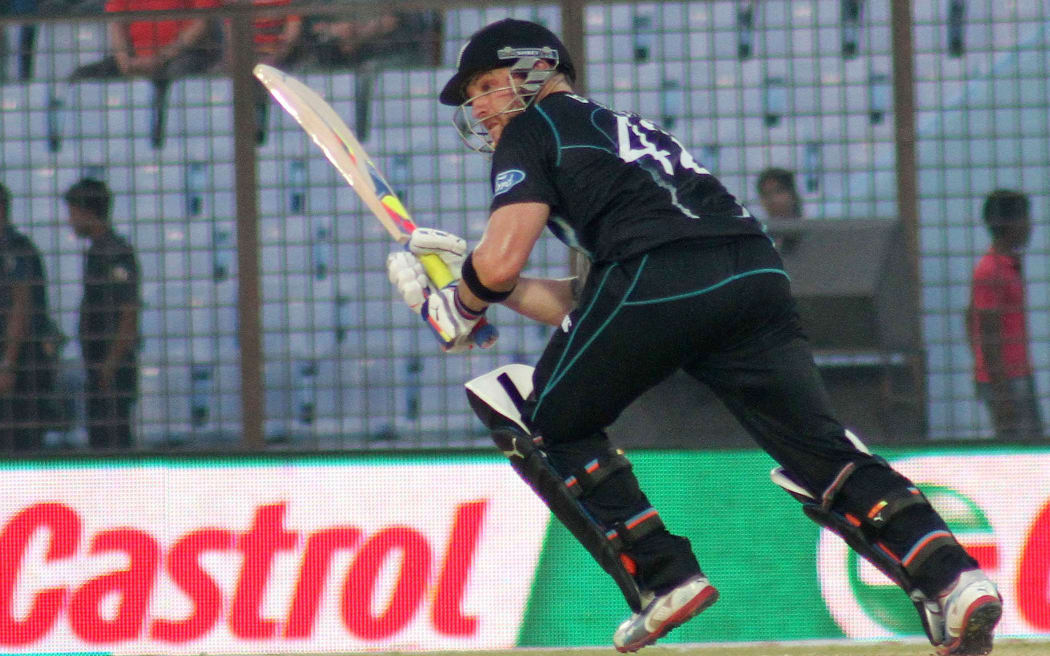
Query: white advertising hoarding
pixel 170 557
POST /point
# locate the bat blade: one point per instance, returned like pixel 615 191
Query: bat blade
pixel 328 132
pixel 342 149
pixel 335 139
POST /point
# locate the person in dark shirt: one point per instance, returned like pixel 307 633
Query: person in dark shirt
pixel 682 277
pixel 109 316
pixel 778 194
pixel 26 375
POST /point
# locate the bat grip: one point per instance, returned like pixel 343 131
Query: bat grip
pixel 436 269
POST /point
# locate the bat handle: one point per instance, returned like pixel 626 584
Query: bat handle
pixel 485 334
pixel 436 269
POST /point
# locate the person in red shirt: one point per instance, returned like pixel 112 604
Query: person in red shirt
pixel 161 50
pixel 277 41
pixel 996 321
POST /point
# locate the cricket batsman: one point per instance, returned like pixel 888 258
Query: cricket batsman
pixel 682 277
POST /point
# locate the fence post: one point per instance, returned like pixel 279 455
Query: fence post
pixel 249 325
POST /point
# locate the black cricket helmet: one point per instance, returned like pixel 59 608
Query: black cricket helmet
pixel 500 44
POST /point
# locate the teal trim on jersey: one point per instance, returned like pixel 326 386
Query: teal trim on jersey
pixel 599 129
pixel 563 367
pixel 559 371
pixel 557 137
pixel 588 147
pixel 713 287
pixel 550 383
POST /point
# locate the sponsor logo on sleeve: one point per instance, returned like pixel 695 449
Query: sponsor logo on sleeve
pixel 507 179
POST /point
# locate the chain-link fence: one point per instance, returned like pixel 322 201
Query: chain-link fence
pixel 266 319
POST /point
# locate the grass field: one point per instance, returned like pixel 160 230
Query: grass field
pixel 916 648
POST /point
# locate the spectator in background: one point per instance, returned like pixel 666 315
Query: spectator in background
pixel 26 38
pixel 393 38
pixel 26 372
pixel 109 316
pixel 161 50
pixel 409 37
pixel 277 41
pixel 997 324
pixel 778 194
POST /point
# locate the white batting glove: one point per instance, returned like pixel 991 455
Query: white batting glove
pixel 456 326
pixel 451 248
pixel 407 274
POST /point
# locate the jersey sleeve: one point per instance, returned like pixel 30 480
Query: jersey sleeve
pixel 523 163
pixel 22 269
pixel 124 277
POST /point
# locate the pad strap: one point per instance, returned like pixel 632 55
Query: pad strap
pixel 880 514
pixel 913 561
pixel 623 534
pixel 587 478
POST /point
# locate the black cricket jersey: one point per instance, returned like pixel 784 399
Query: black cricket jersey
pixel 111 280
pixel 20 263
pixel 617 184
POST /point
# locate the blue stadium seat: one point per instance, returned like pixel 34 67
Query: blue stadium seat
pixel 141 95
pixel 55 54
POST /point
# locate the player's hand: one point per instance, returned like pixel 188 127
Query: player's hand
pixel 407 275
pixel 451 248
pixel 456 326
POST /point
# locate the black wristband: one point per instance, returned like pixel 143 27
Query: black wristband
pixel 470 279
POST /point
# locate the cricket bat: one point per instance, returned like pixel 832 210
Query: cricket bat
pixel 337 141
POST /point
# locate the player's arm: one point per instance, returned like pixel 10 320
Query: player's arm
pixel 546 300
pixel 987 307
pixel 121 46
pixel 190 35
pixel 126 332
pixel 16 333
pixel 500 257
pixel 125 336
pixel 989 329
pixel 290 35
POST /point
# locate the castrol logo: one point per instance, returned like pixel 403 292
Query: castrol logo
pixel 247 559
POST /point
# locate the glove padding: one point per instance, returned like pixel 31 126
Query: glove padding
pixel 456 326
pixel 451 248
pixel 406 273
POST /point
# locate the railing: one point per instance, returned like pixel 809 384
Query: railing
pixel 267 321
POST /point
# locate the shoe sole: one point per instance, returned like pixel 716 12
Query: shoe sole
pixel 980 621
pixel 694 607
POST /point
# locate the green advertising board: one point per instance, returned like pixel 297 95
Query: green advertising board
pixel 750 537
pixel 780 576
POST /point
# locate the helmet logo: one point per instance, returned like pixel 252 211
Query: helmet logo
pixel 545 52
